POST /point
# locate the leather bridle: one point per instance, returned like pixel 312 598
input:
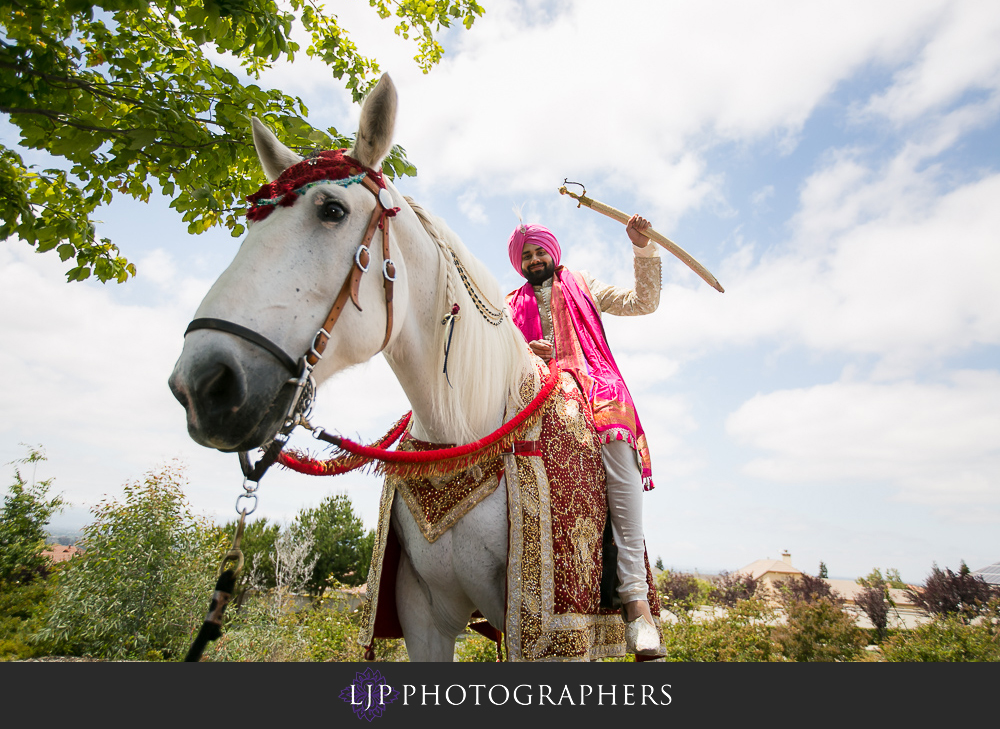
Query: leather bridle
pixel 302 368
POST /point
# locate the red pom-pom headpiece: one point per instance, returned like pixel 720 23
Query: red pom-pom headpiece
pixel 326 166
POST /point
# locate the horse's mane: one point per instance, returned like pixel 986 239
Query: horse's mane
pixel 480 353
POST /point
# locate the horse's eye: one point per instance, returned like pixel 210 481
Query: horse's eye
pixel 332 211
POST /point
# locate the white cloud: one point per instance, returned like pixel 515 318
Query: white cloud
pixel 630 97
pixel 761 196
pixel 963 55
pixel 880 264
pixel 470 206
pixel 936 443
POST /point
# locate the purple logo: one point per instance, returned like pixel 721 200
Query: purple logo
pixel 369 694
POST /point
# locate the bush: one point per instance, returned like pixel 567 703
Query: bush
pixel 730 588
pixel 946 593
pixel 140 589
pixel 817 631
pixel 22 613
pixel 949 638
pixel 475 648
pixel 681 591
pixel 742 635
pixel 325 630
pixel 806 588
pixel 272 625
pixel 256 633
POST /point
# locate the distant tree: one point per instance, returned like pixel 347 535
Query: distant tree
pixel 875 603
pixel 823 574
pixel 26 512
pixel 891 579
pixel 730 588
pixel 342 548
pixel 894 580
pixel 947 593
pixel 659 563
pixel 806 588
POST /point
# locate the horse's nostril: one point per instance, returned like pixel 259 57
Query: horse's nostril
pixel 220 388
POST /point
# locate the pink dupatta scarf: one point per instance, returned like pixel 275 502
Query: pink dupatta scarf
pixel 582 349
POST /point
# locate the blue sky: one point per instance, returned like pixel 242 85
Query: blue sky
pixel 835 165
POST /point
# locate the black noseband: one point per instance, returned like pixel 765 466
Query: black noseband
pixel 222 325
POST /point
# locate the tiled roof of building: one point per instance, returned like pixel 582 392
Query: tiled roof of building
pixel 762 566
pixel 60 552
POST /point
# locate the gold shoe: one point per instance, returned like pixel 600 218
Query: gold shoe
pixel 641 638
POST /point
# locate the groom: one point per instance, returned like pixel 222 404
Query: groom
pixel 559 313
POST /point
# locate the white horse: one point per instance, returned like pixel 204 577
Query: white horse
pixel 281 285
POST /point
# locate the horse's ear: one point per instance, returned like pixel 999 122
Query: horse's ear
pixel 378 118
pixel 274 157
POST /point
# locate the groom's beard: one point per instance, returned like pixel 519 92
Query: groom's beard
pixel 540 274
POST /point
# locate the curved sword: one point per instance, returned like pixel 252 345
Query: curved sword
pixel 649 233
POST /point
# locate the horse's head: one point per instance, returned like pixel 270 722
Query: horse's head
pixel 253 331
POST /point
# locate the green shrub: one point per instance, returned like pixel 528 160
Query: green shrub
pixel 949 638
pixel 475 648
pixel 258 633
pixel 817 631
pixel 23 608
pixel 141 587
pixel 743 634
pixel 325 630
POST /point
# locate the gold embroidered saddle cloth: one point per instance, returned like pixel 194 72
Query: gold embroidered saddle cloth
pixel 557 511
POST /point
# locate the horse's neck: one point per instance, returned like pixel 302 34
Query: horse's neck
pixel 416 358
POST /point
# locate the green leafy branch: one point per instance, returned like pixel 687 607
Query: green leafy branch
pixel 129 95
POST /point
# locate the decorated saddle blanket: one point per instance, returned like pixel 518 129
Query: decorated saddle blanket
pixel 557 512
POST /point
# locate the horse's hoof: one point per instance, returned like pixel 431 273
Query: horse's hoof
pixel 641 638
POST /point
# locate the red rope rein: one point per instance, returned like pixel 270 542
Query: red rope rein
pixel 440 461
pixel 303 463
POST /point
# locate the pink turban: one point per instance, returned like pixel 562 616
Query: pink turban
pixel 536 235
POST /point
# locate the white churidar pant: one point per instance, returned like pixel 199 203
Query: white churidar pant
pixel 624 481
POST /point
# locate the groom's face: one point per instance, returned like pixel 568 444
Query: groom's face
pixel 536 264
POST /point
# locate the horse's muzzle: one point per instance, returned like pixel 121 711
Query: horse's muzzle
pixel 235 397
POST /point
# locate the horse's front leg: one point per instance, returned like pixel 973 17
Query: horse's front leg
pixel 432 607
pixel 431 621
pixel 481 560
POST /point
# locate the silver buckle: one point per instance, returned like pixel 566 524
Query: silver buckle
pixel 357 259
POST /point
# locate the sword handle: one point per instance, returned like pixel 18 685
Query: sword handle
pixel 663 240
